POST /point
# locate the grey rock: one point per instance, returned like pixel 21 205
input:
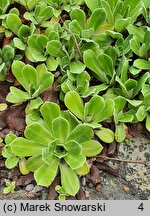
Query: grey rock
pixel 37 189
pixel 84 181
pixel 29 187
pixel 135 176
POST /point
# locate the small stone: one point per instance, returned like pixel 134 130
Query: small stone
pixel 87 195
pixel 37 188
pixel 126 189
pixel 44 194
pixel 83 181
pixel 29 187
pixel 91 185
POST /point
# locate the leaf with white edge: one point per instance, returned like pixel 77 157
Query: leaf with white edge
pixel 19 44
pixel 11 162
pixel 106 64
pixel 29 74
pixel 9 138
pixel 105 134
pixel 46 174
pixel 79 15
pixel 69 180
pixel 121 24
pixel 75 161
pixel 51 64
pixel 41 42
pixel 17 96
pixel 120 133
pixel 24 32
pixel 22 166
pixel 49 111
pixel 77 67
pixel 97 18
pixel 73 121
pixel 60 128
pixel 22 147
pixel 106 112
pixel 46 81
pixel 148 122
pixel 142 80
pixel 81 133
pixel 84 170
pixel 141 113
pixel 142 64
pixel 17 67
pixel 73 148
pixel 75 104
pixel 92 5
pixel 54 48
pixel 13 22
pixel 8 53
pixel 91 61
pixel 93 107
pixel 38 133
pixel 34 162
pixel 34 55
pixel 91 148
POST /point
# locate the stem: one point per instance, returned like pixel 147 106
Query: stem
pixel 75 42
pixel 123 160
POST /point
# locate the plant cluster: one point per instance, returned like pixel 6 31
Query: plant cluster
pixel 99 54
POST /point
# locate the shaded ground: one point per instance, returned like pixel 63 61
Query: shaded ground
pixel 133 181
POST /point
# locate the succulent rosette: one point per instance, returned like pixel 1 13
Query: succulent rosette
pixel 60 143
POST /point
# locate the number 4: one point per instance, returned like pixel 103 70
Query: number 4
pixel 141 207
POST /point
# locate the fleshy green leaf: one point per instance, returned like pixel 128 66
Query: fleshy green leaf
pixel 97 18
pixel 92 63
pixel 73 148
pixel 17 96
pixel 19 44
pixel 148 122
pixel 60 127
pixel 93 108
pixel 22 147
pixel 77 67
pixel 11 162
pixel 105 134
pixel 38 133
pixel 84 170
pixel 8 53
pixel 120 134
pixel 34 163
pixel 81 133
pixel 141 113
pixel 46 173
pixel 13 22
pixel 74 103
pixel 75 161
pixel 142 64
pixel 54 48
pixel 50 111
pixel 92 5
pixel 69 180
pixel 79 15
pixel 106 112
pixel 29 74
pixel 22 166
pixel 9 138
pixel 91 148
pixel 73 122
